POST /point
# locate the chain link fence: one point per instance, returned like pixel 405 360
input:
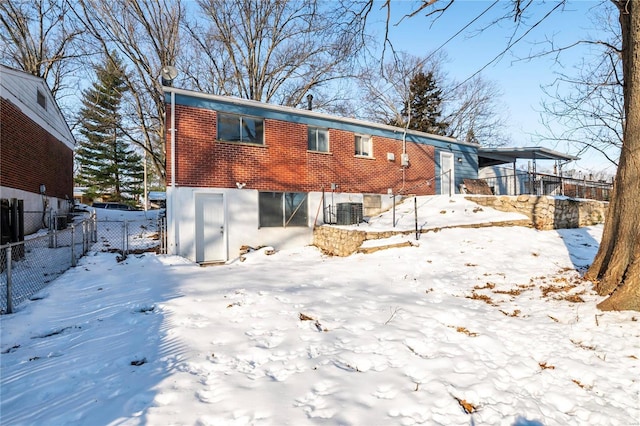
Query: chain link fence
pixel 162 233
pixel 127 236
pixel 29 266
pixel 34 220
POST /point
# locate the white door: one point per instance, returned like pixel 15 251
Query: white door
pixel 210 241
pixel 447 178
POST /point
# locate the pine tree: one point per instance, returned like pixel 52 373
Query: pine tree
pixel 424 106
pixel 108 166
pixel 471 137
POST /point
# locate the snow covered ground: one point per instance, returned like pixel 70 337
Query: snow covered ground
pixel 490 326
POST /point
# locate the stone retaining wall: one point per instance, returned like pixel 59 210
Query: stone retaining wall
pixel 544 213
pixel 548 212
pixel 344 242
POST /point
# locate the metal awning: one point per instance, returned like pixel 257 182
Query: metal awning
pixel 495 156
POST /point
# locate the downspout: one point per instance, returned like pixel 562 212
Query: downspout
pixel 402 157
pixel 173 173
pixel 404 145
pixel 404 152
pixel 173 140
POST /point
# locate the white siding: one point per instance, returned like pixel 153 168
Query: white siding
pixel 21 89
pixel 241 218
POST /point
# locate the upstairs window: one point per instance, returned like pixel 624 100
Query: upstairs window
pixel 41 99
pixel 363 146
pixel 239 128
pixel 317 139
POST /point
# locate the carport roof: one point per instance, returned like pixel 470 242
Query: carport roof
pixel 495 156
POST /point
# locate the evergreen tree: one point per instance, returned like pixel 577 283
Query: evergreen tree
pixel 108 166
pixel 471 137
pixel 424 106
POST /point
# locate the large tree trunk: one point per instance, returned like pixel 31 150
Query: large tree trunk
pixel 616 268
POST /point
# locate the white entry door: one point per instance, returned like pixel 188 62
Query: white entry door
pixel 210 241
pixel 447 178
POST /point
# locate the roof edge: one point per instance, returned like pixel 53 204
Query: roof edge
pixel 530 151
pixel 308 113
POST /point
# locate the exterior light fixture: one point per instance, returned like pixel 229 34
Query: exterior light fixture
pixel 43 188
pixel 168 74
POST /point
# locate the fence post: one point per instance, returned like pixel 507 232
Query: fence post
pixel 9 290
pixel 73 246
pixel 393 218
pixel 125 236
pixel 53 237
pixel 85 238
pixel 415 214
pixel 94 227
pixel 164 235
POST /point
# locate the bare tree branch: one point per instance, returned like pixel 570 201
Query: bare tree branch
pixel 146 35
pixel 273 51
pixel 38 37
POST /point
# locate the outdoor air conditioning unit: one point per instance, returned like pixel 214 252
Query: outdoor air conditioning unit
pixel 404 160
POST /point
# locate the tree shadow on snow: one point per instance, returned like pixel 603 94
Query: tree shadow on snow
pixel 521 421
pixel 582 247
pixel 100 365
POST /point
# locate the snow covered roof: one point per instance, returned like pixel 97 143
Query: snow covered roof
pixel 32 96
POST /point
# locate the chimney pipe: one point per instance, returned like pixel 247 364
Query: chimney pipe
pixel 309 101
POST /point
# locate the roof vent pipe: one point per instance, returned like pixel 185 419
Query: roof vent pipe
pixel 309 101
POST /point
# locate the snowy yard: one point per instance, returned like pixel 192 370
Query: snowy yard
pixel 490 326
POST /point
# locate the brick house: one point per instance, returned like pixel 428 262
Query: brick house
pixel 242 172
pixel 36 148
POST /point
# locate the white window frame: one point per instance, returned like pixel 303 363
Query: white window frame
pixel 359 148
pixel 316 131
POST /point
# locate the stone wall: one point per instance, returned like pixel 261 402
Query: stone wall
pixel 548 212
pixel 344 242
pixel 544 213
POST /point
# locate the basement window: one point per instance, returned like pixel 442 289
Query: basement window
pixel 283 209
pixel 239 128
pixel 41 99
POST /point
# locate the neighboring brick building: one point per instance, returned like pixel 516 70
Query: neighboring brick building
pixel 243 172
pixel 36 148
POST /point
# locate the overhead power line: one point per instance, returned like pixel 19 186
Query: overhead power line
pixel 510 45
pixel 459 31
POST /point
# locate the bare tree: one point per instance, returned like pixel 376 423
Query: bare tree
pixel 474 113
pixel 273 51
pixel 616 268
pixel 586 108
pixel 386 90
pixel 38 36
pixel 146 35
pixel 471 109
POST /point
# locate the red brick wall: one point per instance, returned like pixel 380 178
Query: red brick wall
pixel 30 156
pixel 284 164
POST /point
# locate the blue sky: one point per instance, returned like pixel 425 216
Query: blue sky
pixel 519 80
